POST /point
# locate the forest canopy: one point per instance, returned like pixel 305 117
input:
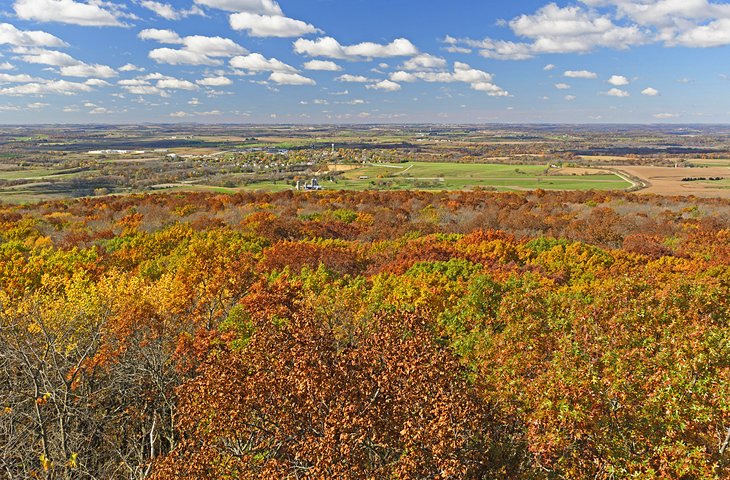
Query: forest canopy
pixel 460 335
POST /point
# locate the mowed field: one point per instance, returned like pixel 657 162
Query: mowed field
pixel 454 176
pixel 669 181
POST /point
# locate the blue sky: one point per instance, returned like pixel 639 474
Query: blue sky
pixel 364 61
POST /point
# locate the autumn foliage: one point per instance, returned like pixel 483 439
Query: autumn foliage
pixel 407 335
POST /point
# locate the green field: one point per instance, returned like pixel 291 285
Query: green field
pixel 453 176
pixel 35 174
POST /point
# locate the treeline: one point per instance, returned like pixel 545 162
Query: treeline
pixel 366 335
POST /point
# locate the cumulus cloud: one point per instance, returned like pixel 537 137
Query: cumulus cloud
pixel 168 12
pixel 617 92
pixel 665 14
pixel 385 85
pixel 91 14
pixel 329 47
pixel 352 78
pixel 270 25
pixel 617 24
pixel 176 84
pixel 263 7
pixel 161 36
pixel 554 29
pixel 172 56
pixel 255 62
pixel 213 46
pixel 47 57
pixel 6 66
pixel 618 80
pixel 58 87
pixel 130 68
pixel 215 81
pixel 425 61
pixel 580 74
pixel 650 92
pixel 665 116
pixel 549 67
pixel 714 34
pixel 285 78
pixel 69 66
pixel 87 71
pixel 562 86
pixel 322 65
pixel 19 78
pixel 97 82
pixel 10 35
pixel 477 79
pixel 198 50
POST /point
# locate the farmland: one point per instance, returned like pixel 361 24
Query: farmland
pixel 42 163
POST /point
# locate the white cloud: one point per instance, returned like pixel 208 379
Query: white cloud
pixel 168 12
pixel 37 105
pixel 92 14
pixel 176 84
pixel 100 111
pixel 172 56
pixel 580 74
pixel 562 86
pixel 215 81
pixel 329 47
pixel 59 87
pixel 131 68
pixel 69 66
pixel 162 36
pixel 270 25
pixel 385 85
pixel 284 78
pixel 650 92
pixel 88 71
pixel 179 114
pixel 9 35
pixel 617 92
pixel 97 82
pixel 665 14
pixel 135 82
pixel 264 7
pixel 618 80
pixel 322 65
pixel 6 66
pixel 424 61
pixel 19 78
pixel 616 24
pixel 356 101
pixel 255 62
pixel 554 29
pixel 352 78
pixel 714 34
pixel 145 90
pixel 48 57
pixel 665 116
pixel 477 79
pixel 570 98
pixel 198 50
pixel 213 46
pixel 549 67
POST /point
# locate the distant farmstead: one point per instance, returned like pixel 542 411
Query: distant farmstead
pixel 308 187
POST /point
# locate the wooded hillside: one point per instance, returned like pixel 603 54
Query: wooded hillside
pixel 364 335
